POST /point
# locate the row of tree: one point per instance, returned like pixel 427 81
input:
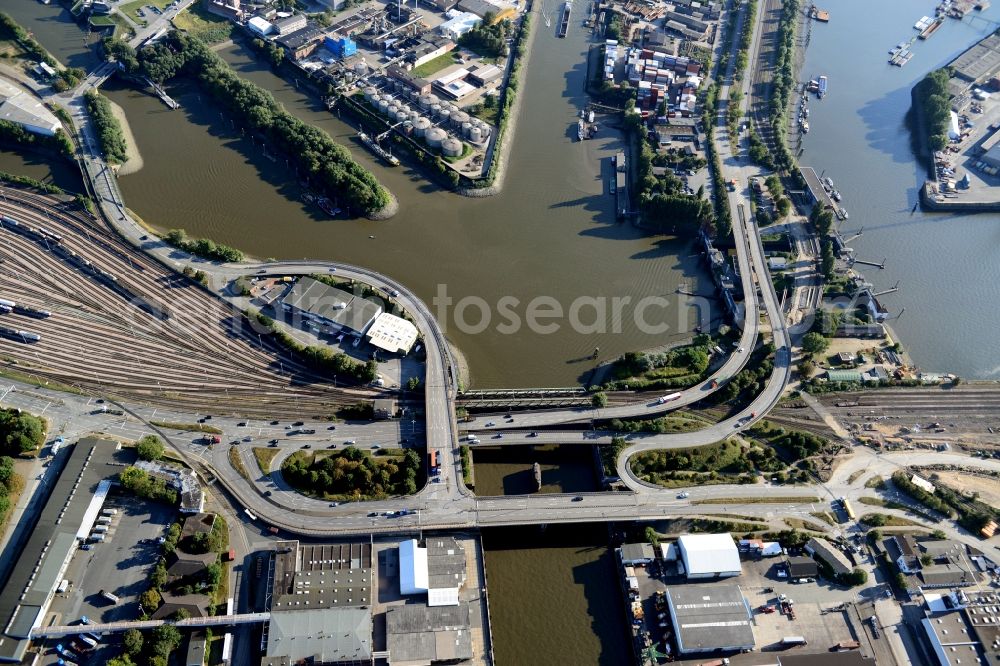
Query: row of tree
pixel 16 135
pixel 109 131
pixel 933 98
pixel 323 359
pixel 328 166
pixel 202 247
pixel 9 481
pixel 783 82
pixel 353 473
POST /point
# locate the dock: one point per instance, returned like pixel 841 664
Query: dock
pixel 818 192
pixel 818 14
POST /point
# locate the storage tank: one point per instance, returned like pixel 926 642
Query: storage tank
pixel 434 99
pixel 402 115
pixel 392 110
pixel 425 102
pixel 451 147
pixel 370 92
pixel 435 136
pixel 475 135
pixel 445 116
pixel 466 128
pixel 435 110
pixel 383 106
pixel 420 126
pixel 361 68
pixel 413 116
pixel 459 118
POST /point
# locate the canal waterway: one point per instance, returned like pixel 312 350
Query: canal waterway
pixel 509 470
pixel 44 168
pixel 947 264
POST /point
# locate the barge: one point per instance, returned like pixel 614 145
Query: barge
pixel 564 21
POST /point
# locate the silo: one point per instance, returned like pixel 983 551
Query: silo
pixel 425 102
pixel 466 128
pixel 435 136
pixel 401 115
pixel 475 135
pixel 361 68
pixel 370 92
pixel 435 110
pixel 420 126
pixel 383 106
pixel 445 116
pixel 459 118
pixel 451 147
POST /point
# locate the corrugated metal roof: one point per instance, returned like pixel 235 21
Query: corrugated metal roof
pixel 709 553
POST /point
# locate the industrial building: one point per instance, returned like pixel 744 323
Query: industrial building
pixel 709 555
pixel 320 605
pixel 437 570
pixel 78 482
pixel 458 23
pixel 392 333
pixel 636 553
pixel 827 552
pixel 710 618
pixel 419 635
pixel 802 567
pixel 21 108
pixel 260 26
pixel 333 308
pixel 963 628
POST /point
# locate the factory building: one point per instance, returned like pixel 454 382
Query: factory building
pixel 78 487
pixel 437 570
pixel 392 333
pixel 330 307
pixel 709 555
pixel 260 26
pixel 710 618
pixel 320 605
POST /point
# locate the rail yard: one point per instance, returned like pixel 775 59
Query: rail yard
pixel 120 324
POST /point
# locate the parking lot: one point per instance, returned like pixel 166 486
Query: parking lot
pixel 120 565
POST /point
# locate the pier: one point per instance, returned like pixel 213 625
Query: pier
pixel 869 263
pixel 162 94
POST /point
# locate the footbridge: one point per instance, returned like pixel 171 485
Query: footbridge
pixel 58 631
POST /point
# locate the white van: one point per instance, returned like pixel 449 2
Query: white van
pixel 100 528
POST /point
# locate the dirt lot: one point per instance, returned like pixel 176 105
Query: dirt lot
pixel 988 489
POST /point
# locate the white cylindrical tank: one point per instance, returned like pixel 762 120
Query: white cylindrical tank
pixel 434 99
pixel 466 128
pixel 435 110
pixel 475 135
pixel 425 102
pixel 383 106
pixel 445 116
pixel 361 68
pixel 459 118
pixel 370 92
pixel 451 147
pixel 413 116
pixel 435 136
pixel 401 115
pixel 392 110
pixel 420 126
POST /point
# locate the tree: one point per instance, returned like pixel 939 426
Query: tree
pixel 166 638
pixel 150 600
pixel 599 400
pixel 939 535
pixel 132 640
pixel 123 660
pixel 827 261
pixel 652 537
pixel 814 343
pixel 150 448
pixel 856 577
pixel 182 614
pixel 413 383
pixel 159 576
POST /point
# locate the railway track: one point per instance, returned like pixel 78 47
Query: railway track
pixel 147 332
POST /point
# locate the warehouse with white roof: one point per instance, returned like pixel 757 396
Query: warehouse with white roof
pixel 709 555
pixel 392 333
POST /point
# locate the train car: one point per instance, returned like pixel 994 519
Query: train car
pixel 48 235
pixel 31 312
pixel 29 336
pixel 6 309
pixel 10 304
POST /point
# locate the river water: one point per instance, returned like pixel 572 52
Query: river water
pixel 551 232
pixel 948 265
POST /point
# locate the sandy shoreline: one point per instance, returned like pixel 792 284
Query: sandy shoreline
pixel 133 159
